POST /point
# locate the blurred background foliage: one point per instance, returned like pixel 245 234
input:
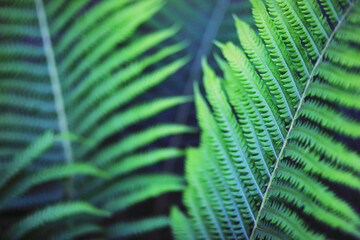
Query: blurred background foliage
pixel 198 24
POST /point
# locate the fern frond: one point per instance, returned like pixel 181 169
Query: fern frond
pixel 298 178
pixel 288 102
pixel 83 71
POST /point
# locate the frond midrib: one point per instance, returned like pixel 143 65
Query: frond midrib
pixel 318 61
pixel 55 85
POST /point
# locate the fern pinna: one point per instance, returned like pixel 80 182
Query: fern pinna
pixel 72 75
pixel 279 155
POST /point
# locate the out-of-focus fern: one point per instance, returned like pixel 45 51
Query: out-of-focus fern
pixel 72 75
pixel 201 22
pixel 279 154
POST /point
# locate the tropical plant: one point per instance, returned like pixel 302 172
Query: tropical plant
pixel 72 76
pixel 279 155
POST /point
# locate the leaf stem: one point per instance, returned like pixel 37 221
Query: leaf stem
pixel 56 87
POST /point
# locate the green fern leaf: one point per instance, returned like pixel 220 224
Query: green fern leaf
pixel 284 118
pixel 81 70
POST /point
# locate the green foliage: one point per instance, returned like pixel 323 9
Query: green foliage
pixel 52 213
pixel 279 152
pixel 317 155
pixel 201 22
pixel 196 16
pixel 73 80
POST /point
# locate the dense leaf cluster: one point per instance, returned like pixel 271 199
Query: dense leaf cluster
pixel 277 140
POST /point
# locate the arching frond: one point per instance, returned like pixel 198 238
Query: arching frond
pixel 75 119
pixel 279 145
